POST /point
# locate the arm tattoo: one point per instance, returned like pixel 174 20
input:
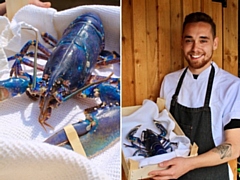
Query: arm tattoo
pixel 224 150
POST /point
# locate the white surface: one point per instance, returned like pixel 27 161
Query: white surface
pixel 144 116
pixel 22 153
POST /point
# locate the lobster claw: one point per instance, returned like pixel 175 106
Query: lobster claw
pixel 163 130
pixel 107 129
pixel 14 86
pixel 60 138
pixel 130 136
pixel 97 133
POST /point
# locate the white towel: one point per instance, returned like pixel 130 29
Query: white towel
pixel 22 153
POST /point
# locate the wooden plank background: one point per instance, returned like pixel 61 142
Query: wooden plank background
pixel 151 37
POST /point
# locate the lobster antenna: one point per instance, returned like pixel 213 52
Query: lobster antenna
pixel 28 27
pixel 85 87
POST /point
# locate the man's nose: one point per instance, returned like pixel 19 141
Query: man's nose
pixel 195 46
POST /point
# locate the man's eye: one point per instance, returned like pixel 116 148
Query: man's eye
pixel 203 41
pixel 188 40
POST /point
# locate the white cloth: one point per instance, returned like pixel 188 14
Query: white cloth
pixel 144 116
pixel 22 153
pixel 225 97
pixel 31 160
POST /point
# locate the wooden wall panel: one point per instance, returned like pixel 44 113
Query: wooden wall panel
pixel 152 50
pixel 175 32
pixel 188 7
pixel 128 77
pixel 218 19
pixel 139 50
pixel 230 37
pixel 206 6
pixel 164 36
pixel 196 5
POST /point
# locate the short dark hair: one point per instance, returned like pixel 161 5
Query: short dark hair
pixel 200 17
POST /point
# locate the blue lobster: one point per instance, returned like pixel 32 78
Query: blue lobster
pixel 68 68
pixel 150 143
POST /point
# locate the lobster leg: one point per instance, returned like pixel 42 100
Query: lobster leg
pixel 87 86
pixel 49 39
pixel 25 48
pixel 140 150
pixel 39 55
pixel 16 67
pixel 22 60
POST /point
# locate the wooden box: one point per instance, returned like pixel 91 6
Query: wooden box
pixel 130 167
pixel 13 6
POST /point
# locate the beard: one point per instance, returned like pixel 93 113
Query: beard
pixel 198 64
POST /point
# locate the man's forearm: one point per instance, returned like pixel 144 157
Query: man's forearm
pixel 224 150
pixel 2 9
pixel 218 155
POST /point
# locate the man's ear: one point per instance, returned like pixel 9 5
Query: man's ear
pixel 215 43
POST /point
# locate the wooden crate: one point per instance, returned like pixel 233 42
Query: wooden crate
pixel 130 167
pixel 13 6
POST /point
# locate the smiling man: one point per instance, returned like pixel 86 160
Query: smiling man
pixel 198 44
pixel 205 101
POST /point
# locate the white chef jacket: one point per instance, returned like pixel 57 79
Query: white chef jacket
pixel 224 101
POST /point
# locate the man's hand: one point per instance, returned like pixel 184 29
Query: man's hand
pixel 175 168
pixel 40 4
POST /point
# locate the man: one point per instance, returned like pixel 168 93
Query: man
pixel 205 101
pixel 34 2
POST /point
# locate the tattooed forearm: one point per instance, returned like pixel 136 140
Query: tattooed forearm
pixel 224 150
